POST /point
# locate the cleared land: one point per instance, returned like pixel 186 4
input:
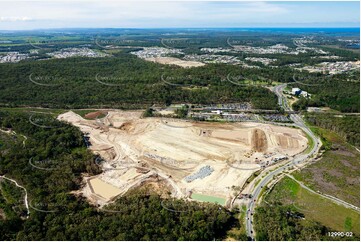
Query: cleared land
pixel 175 61
pixel 138 150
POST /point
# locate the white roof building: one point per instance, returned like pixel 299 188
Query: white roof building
pixel 305 94
pixel 295 90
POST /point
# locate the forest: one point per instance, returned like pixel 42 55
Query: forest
pixel 339 92
pixel 284 223
pixel 123 81
pixel 347 127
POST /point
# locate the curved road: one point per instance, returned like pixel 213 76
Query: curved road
pixel 301 158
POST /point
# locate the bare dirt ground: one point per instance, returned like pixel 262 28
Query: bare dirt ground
pixel 175 61
pixel 94 115
pixel 139 150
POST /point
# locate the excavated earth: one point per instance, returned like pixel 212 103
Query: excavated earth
pixel 136 150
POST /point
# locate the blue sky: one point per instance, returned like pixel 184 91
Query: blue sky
pixel 15 15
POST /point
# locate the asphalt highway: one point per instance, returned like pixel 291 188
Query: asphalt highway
pixel 301 158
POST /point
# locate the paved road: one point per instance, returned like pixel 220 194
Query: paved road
pixel 301 158
pixel 332 198
pixel 282 101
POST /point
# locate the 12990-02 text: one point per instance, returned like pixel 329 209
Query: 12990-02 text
pixel 340 234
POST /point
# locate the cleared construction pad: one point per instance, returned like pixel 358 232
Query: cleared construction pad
pixel 175 61
pixel 216 156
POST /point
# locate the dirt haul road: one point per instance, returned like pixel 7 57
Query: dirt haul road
pixel 137 150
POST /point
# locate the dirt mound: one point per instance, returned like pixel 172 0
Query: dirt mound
pixel 94 115
pixel 127 126
pixel 287 142
pixel 259 140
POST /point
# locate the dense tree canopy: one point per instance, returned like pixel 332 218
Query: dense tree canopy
pixel 281 223
pixel 123 81
pixel 348 127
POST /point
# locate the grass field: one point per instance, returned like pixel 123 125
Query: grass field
pixel 338 171
pixel 314 207
pixel 211 199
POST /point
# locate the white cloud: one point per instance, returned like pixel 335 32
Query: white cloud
pixel 14 19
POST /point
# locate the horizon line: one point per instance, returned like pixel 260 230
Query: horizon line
pixel 248 27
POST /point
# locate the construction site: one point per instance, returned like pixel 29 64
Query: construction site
pixel 188 159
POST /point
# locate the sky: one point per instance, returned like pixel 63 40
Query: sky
pixel 27 14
